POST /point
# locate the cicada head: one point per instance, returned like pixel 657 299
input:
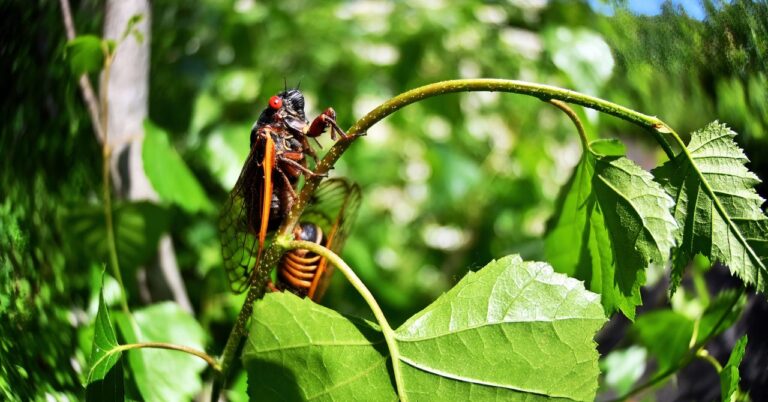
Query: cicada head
pixel 284 109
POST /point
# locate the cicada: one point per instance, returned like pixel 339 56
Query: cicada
pixel 327 221
pixel 266 188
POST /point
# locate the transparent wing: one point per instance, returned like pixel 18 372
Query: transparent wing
pixel 238 221
pixel 334 208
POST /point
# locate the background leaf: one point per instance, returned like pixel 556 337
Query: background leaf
pixel 138 228
pixel 729 376
pixel 168 173
pixel 616 221
pixel 717 208
pixel 164 375
pixel 105 373
pixel 512 330
pixel 85 54
pixel 674 328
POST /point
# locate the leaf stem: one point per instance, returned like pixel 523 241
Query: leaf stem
pixel 106 175
pixel 169 346
pixel 575 119
pixel 704 354
pixel 389 334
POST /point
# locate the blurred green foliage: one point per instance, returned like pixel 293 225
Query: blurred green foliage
pixel 448 184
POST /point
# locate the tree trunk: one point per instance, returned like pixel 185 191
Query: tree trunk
pixel 128 94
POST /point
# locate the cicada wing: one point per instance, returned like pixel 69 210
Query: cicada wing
pixel 334 208
pixel 238 221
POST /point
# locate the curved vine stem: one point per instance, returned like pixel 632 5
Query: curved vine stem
pixel 389 333
pixel 574 118
pixel 544 92
pixel 168 346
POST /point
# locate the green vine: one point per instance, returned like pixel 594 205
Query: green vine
pixel 556 96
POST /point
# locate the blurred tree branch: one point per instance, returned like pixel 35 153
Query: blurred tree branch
pixel 89 95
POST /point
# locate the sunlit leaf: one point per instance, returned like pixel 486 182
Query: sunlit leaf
pixel 85 54
pixel 164 375
pixel 105 374
pixel 168 173
pixel 717 207
pixel 513 330
pixel 612 222
pixel 729 376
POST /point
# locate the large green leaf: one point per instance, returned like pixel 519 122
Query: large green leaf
pixel 168 173
pixel 513 330
pixel 164 375
pixel 138 227
pixel 298 350
pixel 729 376
pixel 717 207
pixel 612 221
pixel 105 373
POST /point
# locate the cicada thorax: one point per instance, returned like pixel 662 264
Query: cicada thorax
pixel 298 268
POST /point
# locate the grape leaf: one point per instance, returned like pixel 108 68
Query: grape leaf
pixel 513 330
pixel 612 221
pixel 105 375
pixel 168 173
pixel 164 375
pixel 298 350
pixel 717 207
pixel 729 376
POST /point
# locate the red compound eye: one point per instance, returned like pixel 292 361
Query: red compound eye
pixel 275 102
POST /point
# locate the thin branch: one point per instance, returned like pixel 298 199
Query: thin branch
pixel 574 118
pixel 704 355
pixel 389 334
pixel 169 346
pixel 86 89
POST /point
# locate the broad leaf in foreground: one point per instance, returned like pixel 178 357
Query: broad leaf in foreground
pixel 299 350
pixel 729 376
pixel 717 207
pixel 513 330
pixel 105 373
pixel 164 375
pixel 611 223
